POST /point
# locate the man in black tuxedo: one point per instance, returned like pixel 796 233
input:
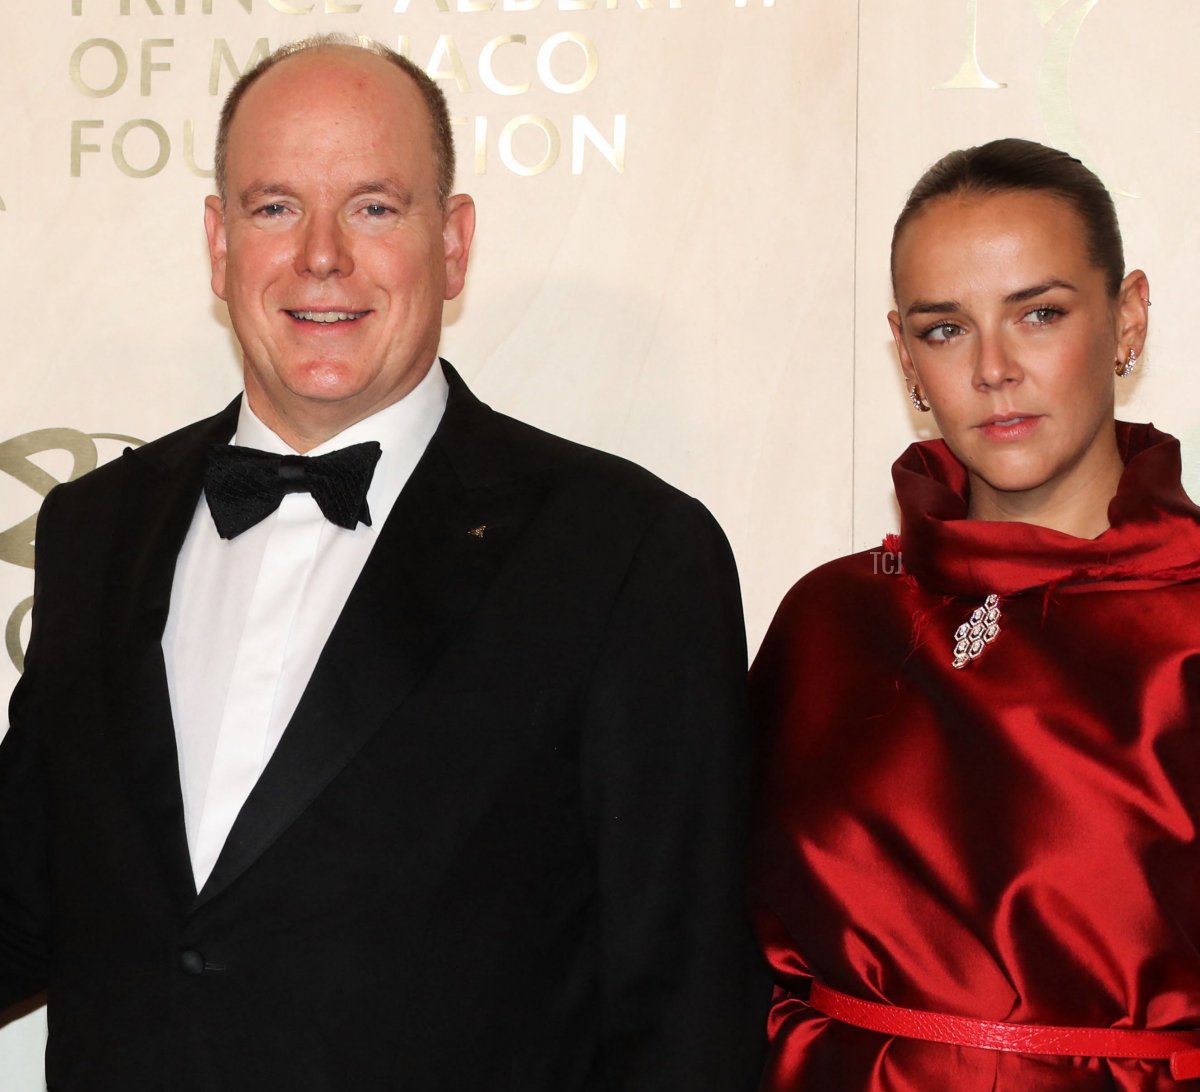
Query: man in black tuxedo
pixel 416 764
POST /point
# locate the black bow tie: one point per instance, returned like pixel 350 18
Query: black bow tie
pixel 244 486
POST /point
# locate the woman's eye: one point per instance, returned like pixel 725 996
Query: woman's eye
pixel 942 331
pixel 1040 316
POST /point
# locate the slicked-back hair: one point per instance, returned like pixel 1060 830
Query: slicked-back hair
pixel 1012 164
pixel 435 102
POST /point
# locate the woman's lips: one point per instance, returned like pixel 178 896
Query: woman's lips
pixel 1008 427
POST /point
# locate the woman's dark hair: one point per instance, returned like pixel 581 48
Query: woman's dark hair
pixel 1012 164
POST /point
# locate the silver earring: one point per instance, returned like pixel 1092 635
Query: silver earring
pixel 1130 363
pixel 918 399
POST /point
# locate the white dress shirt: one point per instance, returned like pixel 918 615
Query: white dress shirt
pixel 250 615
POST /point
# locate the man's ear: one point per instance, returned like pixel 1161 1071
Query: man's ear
pixel 458 229
pixel 214 228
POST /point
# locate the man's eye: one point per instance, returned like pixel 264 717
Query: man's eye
pixel 272 209
pixel 376 209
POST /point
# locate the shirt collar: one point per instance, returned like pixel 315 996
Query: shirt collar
pixel 403 430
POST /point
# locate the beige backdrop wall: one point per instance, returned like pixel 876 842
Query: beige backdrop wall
pixel 684 214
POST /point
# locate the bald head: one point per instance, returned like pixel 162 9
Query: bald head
pixel 442 138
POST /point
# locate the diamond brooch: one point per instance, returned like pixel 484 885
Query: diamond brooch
pixel 977 632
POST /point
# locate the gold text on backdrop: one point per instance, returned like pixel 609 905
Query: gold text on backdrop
pixel 17 462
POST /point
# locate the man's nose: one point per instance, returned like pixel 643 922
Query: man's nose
pixel 325 249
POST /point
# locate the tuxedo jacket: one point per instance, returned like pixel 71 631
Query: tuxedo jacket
pixel 499 846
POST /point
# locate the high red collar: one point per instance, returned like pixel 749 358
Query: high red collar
pixel 1153 537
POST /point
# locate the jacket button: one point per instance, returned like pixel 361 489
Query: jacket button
pixel 191 962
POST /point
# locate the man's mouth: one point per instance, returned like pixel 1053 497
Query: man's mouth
pixel 326 317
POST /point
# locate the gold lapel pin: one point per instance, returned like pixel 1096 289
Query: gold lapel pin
pixel 477 532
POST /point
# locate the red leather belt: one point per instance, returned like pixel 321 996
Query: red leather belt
pixel 1179 1048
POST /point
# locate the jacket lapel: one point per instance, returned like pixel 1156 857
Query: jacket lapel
pixel 160 487
pixel 442 544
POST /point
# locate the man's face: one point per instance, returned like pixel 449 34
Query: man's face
pixel 331 249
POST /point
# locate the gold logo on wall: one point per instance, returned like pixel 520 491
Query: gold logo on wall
pixel 16 461
pixel 1062 21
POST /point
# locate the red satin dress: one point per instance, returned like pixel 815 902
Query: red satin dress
pixel 1015 840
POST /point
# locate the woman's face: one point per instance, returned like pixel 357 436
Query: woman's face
pixel 1008 329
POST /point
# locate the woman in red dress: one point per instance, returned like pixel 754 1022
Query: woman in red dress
pixel 978 868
